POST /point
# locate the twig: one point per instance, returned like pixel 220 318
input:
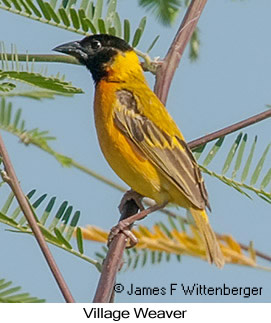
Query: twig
pixel 225 131
pixel 166 70
pixel 10 177
pixel 113 258
pixel 42 58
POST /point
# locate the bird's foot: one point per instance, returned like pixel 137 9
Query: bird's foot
pixel 131 195
pixel 123 226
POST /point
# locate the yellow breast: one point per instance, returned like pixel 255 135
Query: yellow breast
pixel 123 157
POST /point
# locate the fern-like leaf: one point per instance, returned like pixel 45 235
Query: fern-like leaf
pixel 58 226
pixel 166 240
pixel 21 80
pixel 9 294
pixel 82 18
pixel 238 171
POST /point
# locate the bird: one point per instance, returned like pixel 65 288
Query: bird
pixel 138 137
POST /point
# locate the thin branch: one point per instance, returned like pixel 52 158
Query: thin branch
pixel 113 258
pixel 10 177
pixel 43 58
pixel 166 70
pixel 234 127
pixel 147 66
pixel 257 252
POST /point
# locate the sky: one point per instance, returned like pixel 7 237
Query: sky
pixel 229 82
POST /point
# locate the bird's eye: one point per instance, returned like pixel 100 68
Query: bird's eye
pixel 95 44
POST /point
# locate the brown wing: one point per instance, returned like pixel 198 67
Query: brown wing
pixel 170 154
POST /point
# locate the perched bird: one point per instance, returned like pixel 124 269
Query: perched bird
pixel 138 137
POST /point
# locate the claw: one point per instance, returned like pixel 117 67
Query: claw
pixel 123 227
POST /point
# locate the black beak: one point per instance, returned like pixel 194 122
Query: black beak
pixel 74 49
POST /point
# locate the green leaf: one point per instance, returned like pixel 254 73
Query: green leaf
pixel 126 27
pixel 248 162
pixel 37 203
pixel 53 3
pixel 75 219
pixel 194 45
pixel 164 229
pixel 11 296
pixel 34 8
pixel 82 17
pixel 35 79
pixel 97 12
pixel 101 26
pixel 26 7
pixel 142 24
pixel 172 223
pixel 48 210
pixel 16 5
pixel 111 9
pixel 266 180
pixel 231 154
pixel 90 10
pixel 239 156
pixel 74 18
pixel 44 10
pixel 52 13
pixel 153 43
pixel 79 240
pixel 64 17
pixel 84 4
pixel 213 151
pixel 61 238
pixel 7 4
pixel 198 151
pixel 137 37
pixel 57 238
pixel 112 31
pixel 7 204
pixel 259 166
pixel 7 87
pixel 91 26
pixel 117 24
pixel 165 11
pixel 58 215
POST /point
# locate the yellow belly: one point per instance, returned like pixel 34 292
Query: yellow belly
pixel 124 158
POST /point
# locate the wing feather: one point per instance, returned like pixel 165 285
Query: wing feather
pixel 170 154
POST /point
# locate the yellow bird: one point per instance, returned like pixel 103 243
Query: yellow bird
pixel 138 137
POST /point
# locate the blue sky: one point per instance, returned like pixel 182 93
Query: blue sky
pixel 228 83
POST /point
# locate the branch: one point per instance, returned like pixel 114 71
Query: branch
pixel 232 128
pixel 112 263
pixel 9 176
pixel 50 58
pixel 113 260
pixel 42 58
pixel 170 63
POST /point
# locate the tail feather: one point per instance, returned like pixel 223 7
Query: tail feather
pixel 213 251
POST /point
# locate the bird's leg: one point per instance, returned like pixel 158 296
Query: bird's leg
pixel 131 195
pixel 124 225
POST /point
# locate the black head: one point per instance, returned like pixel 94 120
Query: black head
pixel 95 52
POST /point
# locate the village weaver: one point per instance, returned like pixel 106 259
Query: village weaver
pixel 138 137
